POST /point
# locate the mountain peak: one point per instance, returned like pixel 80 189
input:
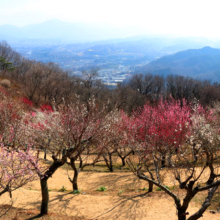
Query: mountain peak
pixel 207 48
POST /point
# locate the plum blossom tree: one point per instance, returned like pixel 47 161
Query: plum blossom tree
pixel 104 144
pixel 192 164
pixel 162 127
pixel 122 146
pixel 18 162
pixel 111 139
pixel 17 167
pixel 65 132
pixel 86 155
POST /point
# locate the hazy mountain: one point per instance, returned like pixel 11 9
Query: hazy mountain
pixel 81 32
pixel 198 63
pixel 57 29
pixel 152 47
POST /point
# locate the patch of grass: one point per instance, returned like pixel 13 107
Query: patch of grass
pixel 76 192
pixel 172 187
pixel 145 189
pixel 50 190
pixel 120 192
pixel 102 189
pixel 63 189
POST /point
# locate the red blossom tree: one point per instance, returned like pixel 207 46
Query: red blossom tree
pixel 161 128
pixel 48 108
pixel 193 149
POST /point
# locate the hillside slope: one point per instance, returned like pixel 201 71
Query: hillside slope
pixel 197 63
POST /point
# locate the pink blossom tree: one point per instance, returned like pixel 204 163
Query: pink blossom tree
pixel 64 133
pixel 18 162
pixel 192 155
pixel 17 167
pixel 162 128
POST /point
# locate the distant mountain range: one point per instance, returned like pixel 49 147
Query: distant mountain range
pixel 197 63
pixel 66 40
pixel 150 47
pixel 81 32
pixel 57 29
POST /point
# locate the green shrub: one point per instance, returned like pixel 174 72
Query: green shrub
pixel 63 189
pixel 102 188
pixel 76 192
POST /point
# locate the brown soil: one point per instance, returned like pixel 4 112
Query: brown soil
pixel 11 213
pixel 124 199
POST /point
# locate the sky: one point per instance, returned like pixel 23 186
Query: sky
pixel 175 17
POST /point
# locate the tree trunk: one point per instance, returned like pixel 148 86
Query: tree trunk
pixel 110 163
pixel 80 163
pixel 150 187
pixel 38 152
pixel 181 215
pixel 123 161
pixel 45 154
pixel 45 197
pixel 63 154
pixel 75 176
pixel 163 161
pixel 44 189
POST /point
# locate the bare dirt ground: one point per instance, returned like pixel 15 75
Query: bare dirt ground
pixel 124 198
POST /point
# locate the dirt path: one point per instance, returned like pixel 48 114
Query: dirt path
pixel 131 203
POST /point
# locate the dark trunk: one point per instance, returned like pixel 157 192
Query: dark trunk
pixel 6 189
pixel 63 154
pixel 38 152
pixel 75 185
pixel 163 161
pixel 45 154
pixel 181 215
pixel 110 163
pixel 123 158
pixel 205 204
pixel 80 163
pixel 44 188
pixel 189 195
pixel 150 187
pixel 111 169
pixel 75 176
pixel 123 161
pixel 45 197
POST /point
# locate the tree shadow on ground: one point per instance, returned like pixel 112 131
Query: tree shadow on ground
pixel 114 181
pixel 62 209
pixel 125 208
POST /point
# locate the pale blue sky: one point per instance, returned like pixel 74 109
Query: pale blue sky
pixel 189 17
